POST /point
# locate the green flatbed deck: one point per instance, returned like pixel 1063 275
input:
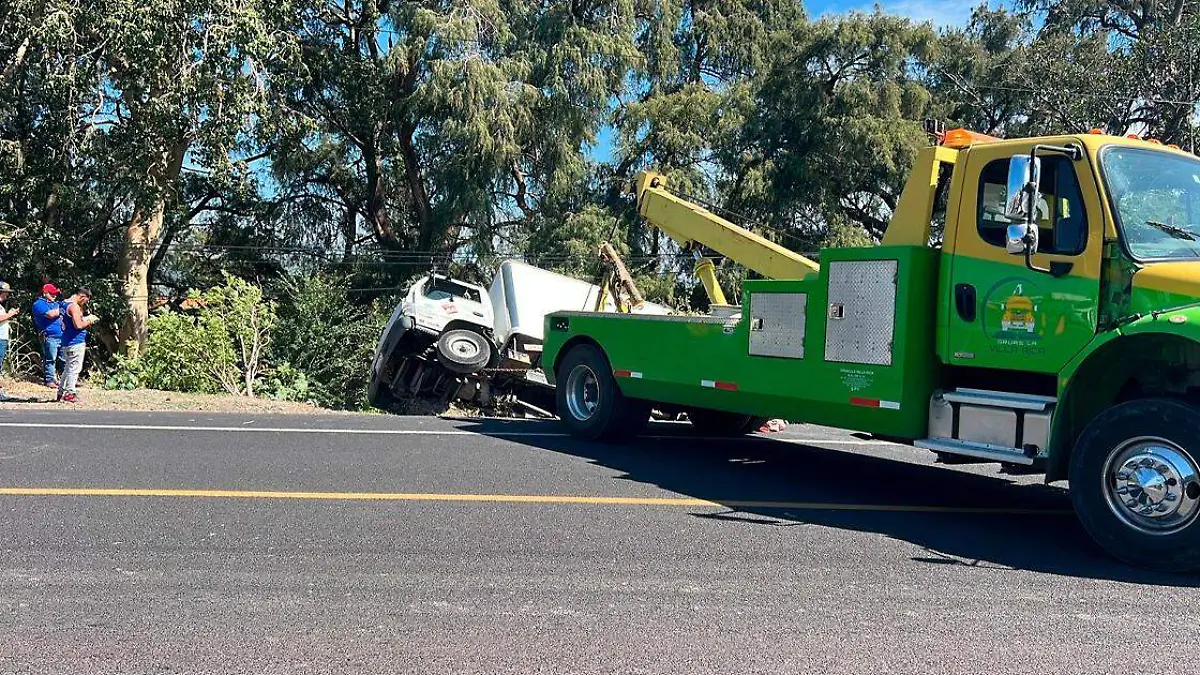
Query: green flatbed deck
pixel 851 346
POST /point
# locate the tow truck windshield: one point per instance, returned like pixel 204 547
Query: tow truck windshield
pixel 1156 200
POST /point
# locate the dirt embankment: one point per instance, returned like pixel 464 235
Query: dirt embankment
pixel 30 395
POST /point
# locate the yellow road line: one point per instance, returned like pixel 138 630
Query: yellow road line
pixel 524 499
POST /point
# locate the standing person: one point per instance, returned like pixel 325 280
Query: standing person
pixel 5 331
pixel 47 317
pixel 74 341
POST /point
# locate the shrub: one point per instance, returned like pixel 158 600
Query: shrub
pixel 124 373
pixel 221 346
pixel 239 312
pixel 316 346
pixel 327 337
pixel 285 383
pixel 186 353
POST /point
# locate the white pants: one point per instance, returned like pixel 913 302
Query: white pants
pixel 73 356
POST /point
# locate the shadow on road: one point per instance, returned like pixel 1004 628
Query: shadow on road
pixel 765 469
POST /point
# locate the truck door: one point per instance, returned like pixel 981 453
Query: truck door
pixel 1002 314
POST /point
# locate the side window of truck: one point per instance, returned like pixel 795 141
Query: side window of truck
pixel 1061 220
pixel 941 204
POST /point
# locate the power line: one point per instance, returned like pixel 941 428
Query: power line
pixel 364 289
pixel 1084 94
pixel 408 257
pixel 417 258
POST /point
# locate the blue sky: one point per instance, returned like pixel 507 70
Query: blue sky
pixel 939 12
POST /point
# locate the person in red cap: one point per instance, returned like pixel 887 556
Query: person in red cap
pixel 47 318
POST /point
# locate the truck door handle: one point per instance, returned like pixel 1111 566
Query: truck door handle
pixel 964 301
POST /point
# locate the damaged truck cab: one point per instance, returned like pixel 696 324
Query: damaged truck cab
pixel 1034 302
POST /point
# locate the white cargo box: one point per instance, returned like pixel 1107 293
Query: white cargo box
pixel 522 295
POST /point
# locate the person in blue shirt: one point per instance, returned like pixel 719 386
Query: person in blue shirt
pixel 47 318
pixel 74 341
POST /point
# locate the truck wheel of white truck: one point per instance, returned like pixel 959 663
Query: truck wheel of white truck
pixel 1135 483
pixel 378 394
pixel 463 351
pixel 590 403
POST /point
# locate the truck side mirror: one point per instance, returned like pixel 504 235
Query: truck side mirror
pixel 1021 197
pixel 1020 204
pixel 1021 238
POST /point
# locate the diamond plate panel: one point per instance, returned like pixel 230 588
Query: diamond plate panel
pixel 863 293
pixel 777 323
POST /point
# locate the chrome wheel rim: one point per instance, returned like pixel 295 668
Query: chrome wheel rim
pixel 583 392
pixel 1152 485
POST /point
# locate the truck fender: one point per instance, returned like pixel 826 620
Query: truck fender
pixel 387 346
pixel 564 350
pixel 1152 356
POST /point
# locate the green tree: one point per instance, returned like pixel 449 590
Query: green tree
pixel 45 79
pixel 835 126
pixel 182 88
pixel 974 74
pixel 1055 66
pixel 432 126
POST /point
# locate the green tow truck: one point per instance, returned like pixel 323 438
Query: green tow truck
pixel 1034 302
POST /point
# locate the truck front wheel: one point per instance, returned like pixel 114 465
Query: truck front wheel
pixel 1135 483
pixel 463 351
pixel 590 403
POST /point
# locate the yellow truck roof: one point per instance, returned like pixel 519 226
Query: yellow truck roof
pixel 961 139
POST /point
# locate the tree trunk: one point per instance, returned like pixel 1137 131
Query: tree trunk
pixel 377 210
pixel 141 235
pixel 426 235
pixel 349 231
pixel 134 271
pixel 14 64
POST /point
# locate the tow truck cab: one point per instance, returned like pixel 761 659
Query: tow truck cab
pixel 1052 329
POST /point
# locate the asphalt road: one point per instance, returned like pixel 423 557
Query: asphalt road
pixel 277 544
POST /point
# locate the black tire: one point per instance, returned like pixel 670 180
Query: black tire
pixel 463 351
pixel 604 413
pixel 379 396
pixel 720 423
pixel 1115 437
pixel 754 424
pixel 379 388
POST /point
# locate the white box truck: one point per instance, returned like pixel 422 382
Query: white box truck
pixel 452 340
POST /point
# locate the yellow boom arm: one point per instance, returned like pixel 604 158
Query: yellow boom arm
pixel 693 226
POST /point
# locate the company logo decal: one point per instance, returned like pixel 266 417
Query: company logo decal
pixel 1014 316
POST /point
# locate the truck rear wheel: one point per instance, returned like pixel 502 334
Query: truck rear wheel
pixel 720 423
pixel 1135 483
pixel 463 351
pixel 590 403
